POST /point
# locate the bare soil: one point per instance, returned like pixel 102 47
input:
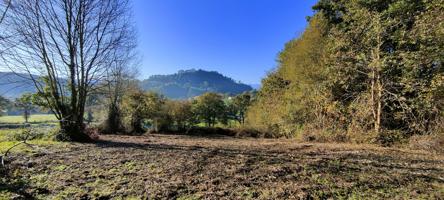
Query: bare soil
pixel 191 167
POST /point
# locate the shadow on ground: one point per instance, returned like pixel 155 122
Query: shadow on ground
pixel 177 166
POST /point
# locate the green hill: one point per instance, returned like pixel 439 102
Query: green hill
pixel 182 85
pixel 190 83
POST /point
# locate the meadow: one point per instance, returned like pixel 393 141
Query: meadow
pixel 34 119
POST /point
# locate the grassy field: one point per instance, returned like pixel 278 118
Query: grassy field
pixel 40 118
pixel 9 137
pixel 191 167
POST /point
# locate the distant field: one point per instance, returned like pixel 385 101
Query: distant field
pixel 41 118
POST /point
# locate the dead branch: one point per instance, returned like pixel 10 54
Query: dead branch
pixel 23 142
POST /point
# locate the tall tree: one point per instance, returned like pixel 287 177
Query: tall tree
pixel 240 105
pixel 141 106
pixel 181 114
pixel 209 108
pixel 71 43
pixel 361 67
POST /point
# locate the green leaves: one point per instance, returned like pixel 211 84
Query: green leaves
pixel 360 65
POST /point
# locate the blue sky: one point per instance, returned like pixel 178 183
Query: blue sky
pixel 239 38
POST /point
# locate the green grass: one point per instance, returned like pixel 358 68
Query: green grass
pixel 39 118
pixel 7 140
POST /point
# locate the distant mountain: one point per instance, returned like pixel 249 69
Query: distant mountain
pixel 182 85
pixel 12 85
pixel 190 83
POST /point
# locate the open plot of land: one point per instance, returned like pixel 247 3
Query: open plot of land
pixel 187 167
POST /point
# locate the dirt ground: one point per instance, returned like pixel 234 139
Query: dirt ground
pixel 191 167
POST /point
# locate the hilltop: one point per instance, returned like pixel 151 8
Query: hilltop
pixel 182 85
pixel 191 83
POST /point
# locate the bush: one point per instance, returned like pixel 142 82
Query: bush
pixel 391 137
pixel 248 132
pixel 255 133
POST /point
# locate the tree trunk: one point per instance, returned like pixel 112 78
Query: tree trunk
pixel 378 104
pixel 136 125
pixel 113 123
pixel 376 85
pixel 26 116
pixel 71 130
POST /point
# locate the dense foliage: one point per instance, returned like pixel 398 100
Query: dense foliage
pixel 364 71
pixel 209 108
pixel 154 112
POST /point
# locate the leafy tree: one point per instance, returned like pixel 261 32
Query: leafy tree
pixel 181 114
pixel 239 106
pixel 379 56
pixel 25 104
pixel 136 108
pixel 209 108
pixel 291 96
pixel 141 106
pixel 370 69
pixel 154 110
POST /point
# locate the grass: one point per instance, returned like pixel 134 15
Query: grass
pixel 8 138
pixel 18 119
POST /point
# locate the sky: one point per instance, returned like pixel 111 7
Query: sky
pixel 238 38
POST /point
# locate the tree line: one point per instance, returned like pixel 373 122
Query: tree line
pixel 364 71
pixel 149 111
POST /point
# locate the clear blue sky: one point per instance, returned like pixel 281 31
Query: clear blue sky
pixel 239 38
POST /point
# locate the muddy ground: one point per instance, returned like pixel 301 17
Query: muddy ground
pixel 191 167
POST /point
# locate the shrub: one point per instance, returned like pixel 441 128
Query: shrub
pixel 391 137
pixel 250 132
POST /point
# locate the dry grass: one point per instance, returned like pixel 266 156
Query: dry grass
pixel 431 143
pixel 187 167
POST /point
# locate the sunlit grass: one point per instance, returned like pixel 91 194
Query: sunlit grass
pixel 18 119
pixel 7 140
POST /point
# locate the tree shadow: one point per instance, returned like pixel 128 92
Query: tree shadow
pixel 400 171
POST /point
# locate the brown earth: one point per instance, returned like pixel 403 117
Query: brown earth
pixel 187 167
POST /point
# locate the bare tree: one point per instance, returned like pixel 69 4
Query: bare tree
pixel 71 45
